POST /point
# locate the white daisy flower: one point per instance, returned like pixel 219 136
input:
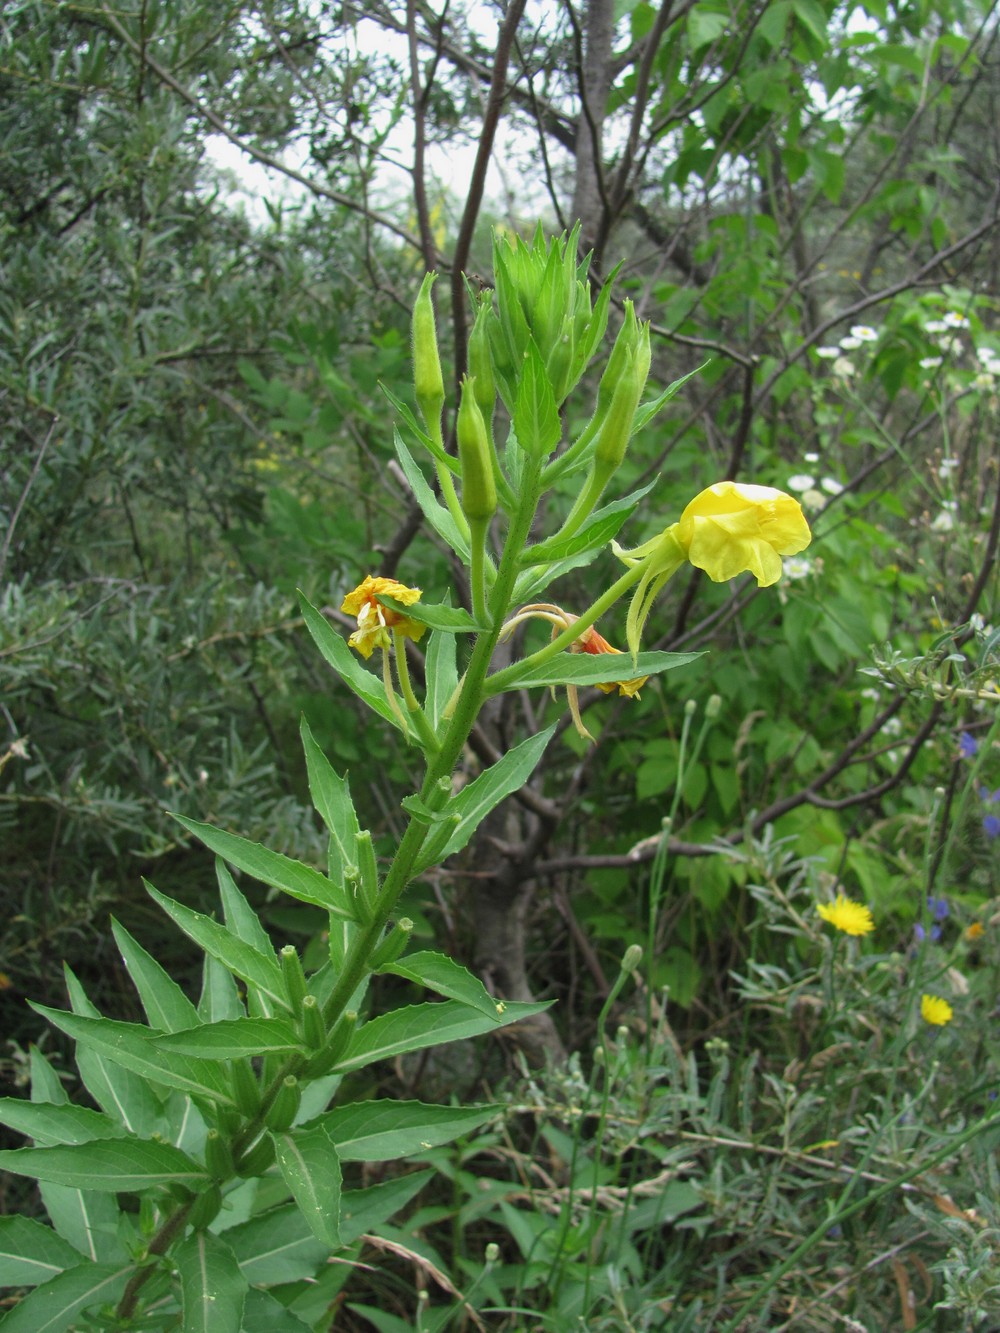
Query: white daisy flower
pixel 831 485
pixel 828 353
pixel 943 522
pixel 946 467
pixel 810 458
pixel 801 482
pixel 935 326
pixel 986 355
pixel 864 333
pixel 931 362
pixel 797 567
pixel 813 500
pixel 953 320
pixel 850 344
pixel 843 368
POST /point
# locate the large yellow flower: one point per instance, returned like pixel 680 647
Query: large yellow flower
pixel 376 622
pixel 847 915
pixel 730 529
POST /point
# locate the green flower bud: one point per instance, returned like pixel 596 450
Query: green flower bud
pixel 257 1159
pixel 481 362
pixel 428 381
pixel 615 430
pixel 313 1026
pixel 218 1155
pixel 368 884
pixel 336 1045
pixel 393 944
pixel 285 1106
pixel 246 1089
pixel 632 958
pixel 205 1208
pixel 293 977
pixel 479 492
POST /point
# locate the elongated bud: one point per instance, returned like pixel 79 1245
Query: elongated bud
pixel 632 958
pixel 367 873
pixel 427 379
pixel 293 977
pixel 256 1160
pixel 336 1044
pixel 313 1026
pixel 218 1155
pixel 479 492
pixel 393 944
pixel 205 1208
pixel 616 429
pixel 481 363
pixel 284 1108
pixel 713 706
pixel 246 1089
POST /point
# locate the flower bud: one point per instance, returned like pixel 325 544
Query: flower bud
pixel 205 1208
pixel 293 977
pixel 336 1044
pixel 713 706
pixel 285 1106
pixel 256 1160
pixel 492 1252
pixel 481 364
pixel 246 1089
pixel 615 430
pixel 479 492
pixel 632 958
pixel 392 945
pixel 313 1026
pixel 428 381
pixel 368 874
pixel 218 1155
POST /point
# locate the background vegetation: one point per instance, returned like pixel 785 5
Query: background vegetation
pixel 803 200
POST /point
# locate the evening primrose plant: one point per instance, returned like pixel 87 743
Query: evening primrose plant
pixel 213 1180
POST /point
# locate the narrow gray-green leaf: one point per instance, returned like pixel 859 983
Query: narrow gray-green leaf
pixel 475 801
pixel 233 1038
pixel 450 619
pixel 331 796
pixel 242 959
pixel 213 1289
pixel 588 669
pixel 130 1045
pixel 295 878
pixel 440 673
pixel 383 1131
pixel 49 1124
pixel 364 683
pixel 444 976
pixel 594 534
pixel 165 1004
pixel 421 1025
pixel 435 513
pixel 55 1305
pixel 239 916
pixel 31 1252
pixel 310 1164
pixel 109 1165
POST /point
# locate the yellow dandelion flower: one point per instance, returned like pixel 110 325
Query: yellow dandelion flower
pixel 975 931
pixel 376 620
pixel 847 915
pixel 936 1011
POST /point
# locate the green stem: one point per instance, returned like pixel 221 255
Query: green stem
pixel 417 714
pixel 477 572
pixel 502 680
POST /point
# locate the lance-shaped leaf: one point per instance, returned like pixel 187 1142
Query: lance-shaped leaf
pixel 431 445
pixel 49 1124
pixel 331 796
pixel 213 1289
pixel 32 1253
pixel 444 976
pixel 277 1246
pixel 233 1038
pixel 242 959
pixel 435 513
pixel 363 1210
pixel 279 871
pixel 474 802
pixel 219 997
pixel 382 1131
pixel 536 417
pixel 55 1305
pixel 310 1164
pixel 421 1025
pixel 165 1004
pixel 586 669
pixel 263 1313
pixel 435 615
pixel 131 1046
pixel 593 535
pixel 364 683
pixel 109 1165
pixel 440 674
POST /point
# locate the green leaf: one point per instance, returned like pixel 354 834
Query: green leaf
pixel 131 1046
pixel 165 1004
pixel 219 997
pixel 429 443
pixel 362 1210
pixel 240 917
pixel 278 1246
pixel 647 411
pixel 262 1313
pixel 31 1252
pixel 295 878
pixel 440 674
pixel 309 1160
pixel 598 530
pixel 474 802
pixel 55 1306
pixel 435 513
pixel 436 615
pixel 233 1038
pixel 536 418
pixel 444 976
pixel 587 669
pixel 420 1025
pixel 385 1131
pixel 107 1165
pixel 331 796
pixel 364 683
pixel 50 1124
pixel 242 959
pixel 213 1289
pixel 117 1089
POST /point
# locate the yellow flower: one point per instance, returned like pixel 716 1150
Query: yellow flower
pixel 975 931
pixel 847 915
pixel 589 641
pixel 377 622
pixel 936 1011
pixel 730 529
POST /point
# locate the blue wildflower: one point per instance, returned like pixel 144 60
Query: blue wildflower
pixel 991 825
pixel 938 908
pixel 967 745
pixel 919 934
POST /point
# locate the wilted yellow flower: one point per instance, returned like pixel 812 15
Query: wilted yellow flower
pixel 376 622
pixel 936 1011
pixel 847 915
pixel 592 642
pixel 730 529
